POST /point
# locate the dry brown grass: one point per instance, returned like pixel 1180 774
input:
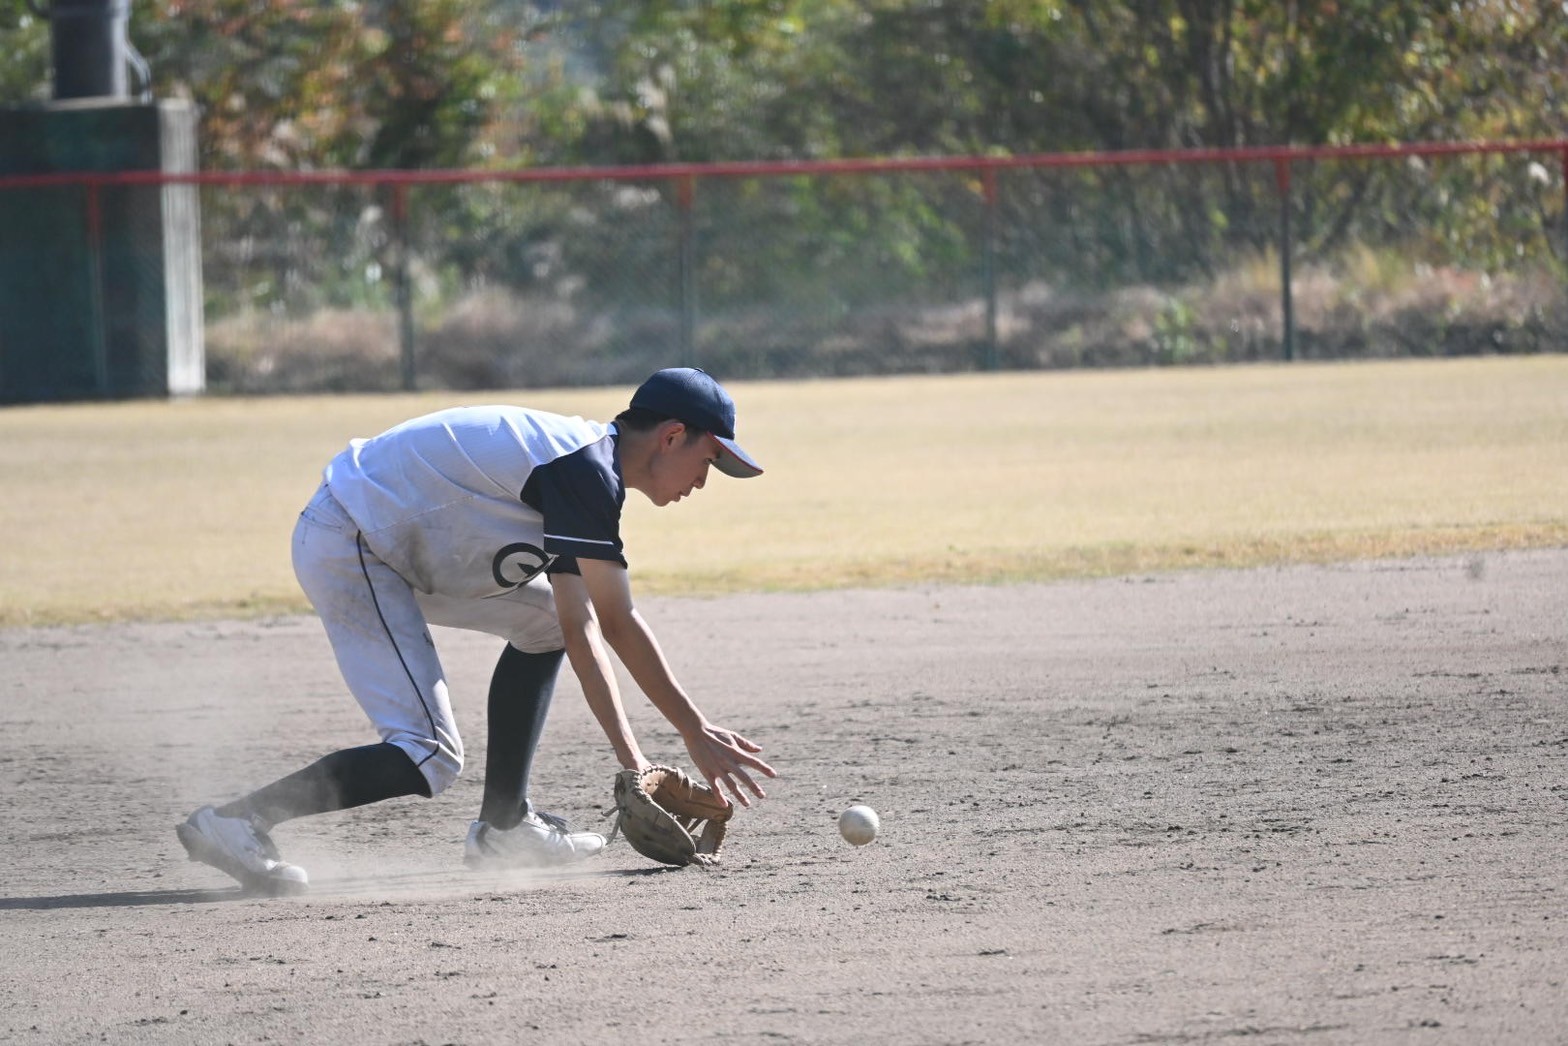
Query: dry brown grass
pixel 1363 304
pixel 184 509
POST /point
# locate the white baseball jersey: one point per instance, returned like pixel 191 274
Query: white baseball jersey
pixel 473 502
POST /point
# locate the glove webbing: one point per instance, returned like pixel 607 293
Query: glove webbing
pixel 615 829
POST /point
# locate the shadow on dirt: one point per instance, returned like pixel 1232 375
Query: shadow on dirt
pixel 125 899
pixel 380 887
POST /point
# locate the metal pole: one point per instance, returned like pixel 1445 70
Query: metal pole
pixel 988 191
pixel 1282 180
pixel 1565 206
pixel 95 289
pixel 400 287
pixel 88 47
pixel 685 193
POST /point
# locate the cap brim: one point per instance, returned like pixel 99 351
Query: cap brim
pixel 733 461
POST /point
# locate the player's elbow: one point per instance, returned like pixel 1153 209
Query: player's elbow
pixel 618 625
pixel 579 641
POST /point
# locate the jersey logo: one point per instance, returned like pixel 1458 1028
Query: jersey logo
pixel 518 563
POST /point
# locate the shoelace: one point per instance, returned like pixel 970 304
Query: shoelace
pixel 269 849
pixel 555 821
pixel 615 829
pixel 245 840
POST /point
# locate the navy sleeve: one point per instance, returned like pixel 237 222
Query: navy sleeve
pixel 564 565
pixel 580 496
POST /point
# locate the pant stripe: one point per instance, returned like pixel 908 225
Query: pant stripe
pixel 359 540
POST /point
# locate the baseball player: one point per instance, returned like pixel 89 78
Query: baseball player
pixel 502 520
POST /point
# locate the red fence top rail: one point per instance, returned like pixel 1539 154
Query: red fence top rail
pixel 1281 154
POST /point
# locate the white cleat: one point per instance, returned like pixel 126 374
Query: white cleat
pixel 538 841
pixel 238 847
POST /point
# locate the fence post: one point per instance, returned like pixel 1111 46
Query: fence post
pixel 97 305
pixel 685 193
pixel 1565 205
pixel 988 192
pixel 1282 180
pixel 400 287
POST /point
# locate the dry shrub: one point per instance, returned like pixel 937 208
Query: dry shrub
pixel 1364 305
pixel 487 340
pixel 493 339
pixel 332 350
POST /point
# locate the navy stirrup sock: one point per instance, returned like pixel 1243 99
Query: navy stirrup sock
pixel 520 692
pixel 340 781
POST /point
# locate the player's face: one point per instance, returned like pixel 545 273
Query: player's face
pixel 681 466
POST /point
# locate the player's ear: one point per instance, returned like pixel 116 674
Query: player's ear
pixel 672 433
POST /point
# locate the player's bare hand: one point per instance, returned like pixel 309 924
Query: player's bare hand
pixel 723 758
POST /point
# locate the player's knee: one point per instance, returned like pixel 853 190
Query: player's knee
pixel 439 764
pixel 440 771
pixel 536 634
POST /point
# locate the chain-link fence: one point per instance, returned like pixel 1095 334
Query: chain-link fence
pixel 485 280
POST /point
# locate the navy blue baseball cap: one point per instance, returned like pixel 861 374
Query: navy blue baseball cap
pixel 692 396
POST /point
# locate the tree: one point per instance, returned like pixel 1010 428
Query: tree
pixel 24 54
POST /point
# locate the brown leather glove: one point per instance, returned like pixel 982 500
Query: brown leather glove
pixel 670 817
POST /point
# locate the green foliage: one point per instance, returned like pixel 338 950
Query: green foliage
pixel 24 54
pixel 687 82
pixel 1174 340
pixel 302 84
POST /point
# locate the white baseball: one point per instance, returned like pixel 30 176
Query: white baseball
pixel 858 825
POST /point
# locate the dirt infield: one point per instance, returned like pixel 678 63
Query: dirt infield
pixel 1319 804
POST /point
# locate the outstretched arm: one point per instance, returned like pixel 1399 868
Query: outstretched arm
pixel 585 650
pixel 721 756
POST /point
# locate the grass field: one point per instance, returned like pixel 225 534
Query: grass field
pixel 175 510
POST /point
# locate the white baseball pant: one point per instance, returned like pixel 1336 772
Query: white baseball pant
pixel 378 627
